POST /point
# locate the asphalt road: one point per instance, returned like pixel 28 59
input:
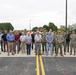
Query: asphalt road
pixel 17 66
pixel 60 66
pixel 27 65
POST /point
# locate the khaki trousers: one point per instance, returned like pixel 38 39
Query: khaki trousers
pixel 10 47
pixel 23 47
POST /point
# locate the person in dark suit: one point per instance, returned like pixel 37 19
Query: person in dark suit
pixel 5 40
pixel 33 40
pixel 67 41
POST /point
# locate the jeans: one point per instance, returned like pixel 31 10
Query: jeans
pixel 49 46
pixel 28 49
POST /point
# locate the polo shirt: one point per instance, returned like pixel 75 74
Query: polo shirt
pixel 49 37
pixel 23 38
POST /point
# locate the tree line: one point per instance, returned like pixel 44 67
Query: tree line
pixel 8 26
pixel 55 28
pixel 49 26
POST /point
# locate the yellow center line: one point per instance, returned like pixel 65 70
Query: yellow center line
pixel 37 65
pixel 42 66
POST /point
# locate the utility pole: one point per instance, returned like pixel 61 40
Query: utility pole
pixel 66 15
pixel 30 24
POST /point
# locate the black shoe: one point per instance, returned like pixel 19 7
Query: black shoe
pixel 36 54
pixel 56 55
pixel 8 54
pixel 61 55
pixel 12 53
pixel 4 50
pixel 40 54
pixel 64 53
pixel 68 51
pixel 28 54
pixel 17 52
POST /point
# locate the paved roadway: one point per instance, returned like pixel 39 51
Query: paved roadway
pixel 17 66
pixel 21 64
pixel 27 66
pixel 60 66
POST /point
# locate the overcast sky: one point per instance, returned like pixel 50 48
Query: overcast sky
pixel 40 12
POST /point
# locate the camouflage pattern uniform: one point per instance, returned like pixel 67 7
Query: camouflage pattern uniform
pixel 64 42
pixel 44 41
pixel 75 45
pixel 72 42
pixel 59 40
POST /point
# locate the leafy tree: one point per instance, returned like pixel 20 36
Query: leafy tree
pixel 47 27
pixel 72 27
pixel 6 26
pixel 53 26
pixel 40 28
pixel 50 26
pixel 35 28
pixel 62 27
pixel 69 28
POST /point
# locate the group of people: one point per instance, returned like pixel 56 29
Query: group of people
pixel 42 42
pixel 53 42
pixel 14 42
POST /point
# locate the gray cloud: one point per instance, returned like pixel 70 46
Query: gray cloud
pixel 19 12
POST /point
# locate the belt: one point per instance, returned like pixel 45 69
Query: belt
pixel 10 41
pixel 38 42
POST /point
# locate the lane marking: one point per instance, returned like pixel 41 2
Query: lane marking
pixel 37 66
pixel 42 66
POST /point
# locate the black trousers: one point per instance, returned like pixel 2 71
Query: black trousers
pixel 67 46
pixel 1 43
pixel 5 46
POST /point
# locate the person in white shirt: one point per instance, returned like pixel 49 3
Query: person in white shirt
pixel 38 39
pixel 23 40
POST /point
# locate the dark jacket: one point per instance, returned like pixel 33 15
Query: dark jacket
pixel 67 37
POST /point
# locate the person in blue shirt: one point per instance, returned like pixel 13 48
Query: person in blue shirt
pixel 10 39
pixel 1 43
pixel 49 44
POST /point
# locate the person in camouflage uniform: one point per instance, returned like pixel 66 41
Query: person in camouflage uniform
pixel 75 45
pixel 59 41
pixel 64 42
pixel 44 40
pixel 72 42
